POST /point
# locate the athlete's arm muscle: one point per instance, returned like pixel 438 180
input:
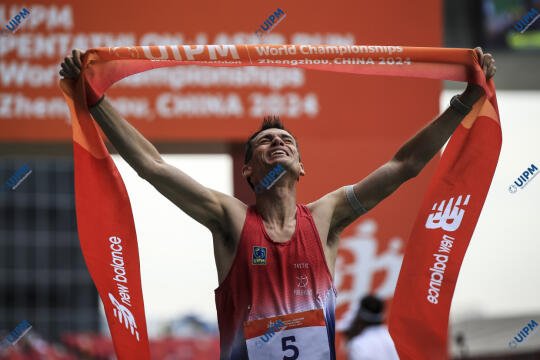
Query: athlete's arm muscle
pixel 211 208
pixel 222 214
pixel 333 212
pixel 205 205
pixel 408 161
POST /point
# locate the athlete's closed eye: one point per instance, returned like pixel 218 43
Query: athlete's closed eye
pixel 269 137
pixel 288 140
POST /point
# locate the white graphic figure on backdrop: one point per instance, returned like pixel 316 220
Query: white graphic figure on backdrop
pixel 362 249
pixel 390 261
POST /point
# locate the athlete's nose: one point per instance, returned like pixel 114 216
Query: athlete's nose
pixel 277 141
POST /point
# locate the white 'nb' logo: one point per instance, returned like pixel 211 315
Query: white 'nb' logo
pixel 125 316
pixel 448 218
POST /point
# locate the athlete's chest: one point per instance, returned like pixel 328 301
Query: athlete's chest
pixel 296 269
pixel 281 234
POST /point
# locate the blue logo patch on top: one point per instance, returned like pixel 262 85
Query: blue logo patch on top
pixel 259 255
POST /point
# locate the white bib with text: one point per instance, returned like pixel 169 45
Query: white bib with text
pixel 300 336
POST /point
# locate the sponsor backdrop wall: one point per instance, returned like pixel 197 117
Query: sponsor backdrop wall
pixel 347 125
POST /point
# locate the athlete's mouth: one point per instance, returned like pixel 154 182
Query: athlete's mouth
pixel 278 153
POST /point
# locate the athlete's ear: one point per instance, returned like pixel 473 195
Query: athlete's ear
pixel 247 171
pixel 302 171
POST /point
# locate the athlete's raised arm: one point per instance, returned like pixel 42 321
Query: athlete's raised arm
pixel 205 205
pixel 407 162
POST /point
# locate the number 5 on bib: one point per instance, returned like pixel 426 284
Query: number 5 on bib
pixel 300 336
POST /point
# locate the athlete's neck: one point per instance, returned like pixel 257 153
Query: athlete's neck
pixel 277 205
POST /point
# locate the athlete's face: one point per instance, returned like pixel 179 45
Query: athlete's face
pixel 272 147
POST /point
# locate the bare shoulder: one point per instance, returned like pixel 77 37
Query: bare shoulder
pixel 234 211
pixel 226 235
pixel 325 205
pixel 323 211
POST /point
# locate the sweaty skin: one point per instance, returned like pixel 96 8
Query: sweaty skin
pixel 224 215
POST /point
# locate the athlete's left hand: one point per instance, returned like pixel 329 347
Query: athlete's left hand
pixel 473 92
pixel 487 62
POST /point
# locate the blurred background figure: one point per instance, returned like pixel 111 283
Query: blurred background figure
pixel 368 337
pixel 190 326
pixel 462 345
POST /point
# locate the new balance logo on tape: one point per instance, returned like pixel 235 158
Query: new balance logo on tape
pixel 448 216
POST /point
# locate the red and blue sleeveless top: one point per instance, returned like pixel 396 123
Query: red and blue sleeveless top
pixel 278 299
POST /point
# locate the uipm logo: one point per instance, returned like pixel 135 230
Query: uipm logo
pixel 270 23
pixel 14 23
pixel 523 179
pixel 527 20
pixel 523 334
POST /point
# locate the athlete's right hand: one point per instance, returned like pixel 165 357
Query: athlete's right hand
pixel 71 70
pixel 71 66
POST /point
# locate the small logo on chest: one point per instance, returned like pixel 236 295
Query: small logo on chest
pixel 301 281
pixel 301 273
pixel 259 255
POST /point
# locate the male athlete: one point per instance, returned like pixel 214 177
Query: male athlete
pixel 275 259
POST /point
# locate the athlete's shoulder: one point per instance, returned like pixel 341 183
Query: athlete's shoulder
pixel 234 211
pixel 327 203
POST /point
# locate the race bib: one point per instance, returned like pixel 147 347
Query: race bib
pixel 300 336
